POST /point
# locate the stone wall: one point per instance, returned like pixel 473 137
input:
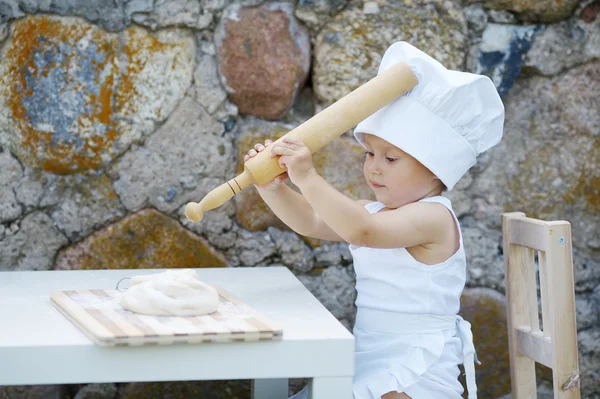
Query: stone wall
pixel 113 115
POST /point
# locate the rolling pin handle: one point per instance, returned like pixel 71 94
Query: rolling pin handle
pixel 194 211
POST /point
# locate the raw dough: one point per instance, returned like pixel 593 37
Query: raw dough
pixel 171 293
pixel 167 273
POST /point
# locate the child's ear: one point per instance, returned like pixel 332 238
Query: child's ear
pixel 444 188
pixel 439 182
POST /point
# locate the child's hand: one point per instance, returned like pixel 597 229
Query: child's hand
pixel 296 157
pixel 253 152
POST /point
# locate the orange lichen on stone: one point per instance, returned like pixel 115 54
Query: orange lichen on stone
pixel 46 48
pixel 313 242
pixel 251 211
pixel 587 184
pixel 341 164
pixel 67 85
pixel 137 46
pixel 147 239
pixel 253 136
pixel 535 10
pixel 485 309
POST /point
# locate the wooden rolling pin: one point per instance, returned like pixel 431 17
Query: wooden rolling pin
pixel 315 133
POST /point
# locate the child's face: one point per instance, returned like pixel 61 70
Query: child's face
pixel 395 177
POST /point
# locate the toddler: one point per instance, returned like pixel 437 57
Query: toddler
pixel 407 246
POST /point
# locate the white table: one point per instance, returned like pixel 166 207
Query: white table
pixel 38 345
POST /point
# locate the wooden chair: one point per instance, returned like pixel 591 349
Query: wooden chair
pixel 555 344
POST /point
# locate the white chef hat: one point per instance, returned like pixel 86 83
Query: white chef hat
pixel 445 122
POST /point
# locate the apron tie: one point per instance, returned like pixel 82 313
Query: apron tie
pixel 463 328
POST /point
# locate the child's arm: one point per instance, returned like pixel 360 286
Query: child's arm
pixel 295 211
pixel 407 226
pixel 291 207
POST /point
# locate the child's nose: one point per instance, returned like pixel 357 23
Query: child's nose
pixel 374 167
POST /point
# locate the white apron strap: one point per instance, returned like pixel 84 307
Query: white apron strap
pixel 469 355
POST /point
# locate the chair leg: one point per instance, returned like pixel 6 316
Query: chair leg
pixel 517 261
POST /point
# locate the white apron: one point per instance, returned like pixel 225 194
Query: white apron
pixel 408 335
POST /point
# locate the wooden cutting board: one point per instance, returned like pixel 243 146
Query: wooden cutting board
pixel 98 314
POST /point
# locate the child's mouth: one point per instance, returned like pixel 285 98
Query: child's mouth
pixel 375 185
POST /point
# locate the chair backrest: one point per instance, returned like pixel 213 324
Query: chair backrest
pixel 555 343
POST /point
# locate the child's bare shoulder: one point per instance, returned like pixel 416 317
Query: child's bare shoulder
pixel 437 219
pixel 434 212
pixel 417 223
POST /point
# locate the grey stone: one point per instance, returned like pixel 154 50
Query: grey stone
pixel 138 6
pixel 32 186
pixel 502 17
pixel 217 225
pixel 587 308
pixel 33 246
pixel 488 215
pixel 371 7
pixel 329 255
pixel 81 204
pixel 589 362
pixel 477 18
pixel 10 169
pixel 9 207
pixel 316 13
pixel 587 270
pixel 226 389
pixel 293 251
pixel 502 53
pixel 334 288
pixel 545 390
pixel 485 264
pixel 349 48
pixel 547 164
pixel 109 14
pixel 207 88
pixel 462 201
pixel 207 47
pixel 214 5
pixel 303 109
pixel 224 240
pixel 33 392
pixel 565 44
pixel 3 32
pixel 97 391
pixel 188 148
pixel 10 174
pixel 225 113
pixel 251 249
pixel 166 13
pixel 9 9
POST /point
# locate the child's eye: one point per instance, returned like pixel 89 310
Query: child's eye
pixel 369 154
pixel 390 159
